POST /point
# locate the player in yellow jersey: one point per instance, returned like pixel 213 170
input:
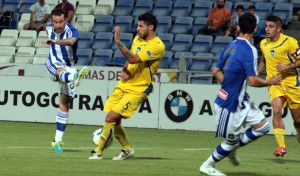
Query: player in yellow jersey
pixel 136 84
pixel 281 57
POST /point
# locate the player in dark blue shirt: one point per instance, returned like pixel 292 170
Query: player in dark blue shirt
pixel 232 105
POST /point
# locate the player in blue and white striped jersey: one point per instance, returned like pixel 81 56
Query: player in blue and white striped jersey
pixel 61 66
pixel 232 105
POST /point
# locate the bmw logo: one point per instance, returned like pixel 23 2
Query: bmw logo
pixel 179 106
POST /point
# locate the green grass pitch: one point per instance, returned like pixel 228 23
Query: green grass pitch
pixel 25 150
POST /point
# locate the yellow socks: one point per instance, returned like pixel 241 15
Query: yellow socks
pixel 121 135
pixel 104 136
pixel 279 136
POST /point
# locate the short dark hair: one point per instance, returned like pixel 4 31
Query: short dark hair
pixel 252 7
pixel 275 19
pixel 57 12
pixel 239 7
pixel 247 23
pixel 149 19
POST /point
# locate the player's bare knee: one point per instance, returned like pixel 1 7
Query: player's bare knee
pixel 112 117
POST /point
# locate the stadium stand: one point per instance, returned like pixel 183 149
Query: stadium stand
pixel 84 56
pixel 202 44
pixel 182 25
pixel 103 57
pixel 126 39
pixel 7 54
pixel 263 10
pixel 181 8
pixel 103 40
pixel 52 3
pixel 199 25
pixel 86 7
pixel 175 60
pixel 40 38
pixel 24 55
pixel 124 22
pixel 26 5
pixel 119 59
pixel 10 5
pixel 284 11
pixel 166 60
pixel 162 8
pixel 181 43
pixel 104 7
pixel 103 24
pixel 85 39
pixel 26 38
pixel 41 56
pixel 84 23
pixel 25 18
pixel 123 8
pixel 220 43
pixel 201 9
pixel 164 24
pixel 167 39
pixel 9 37
pixel 142 6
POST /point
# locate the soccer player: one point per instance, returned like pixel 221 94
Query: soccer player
pixel 232 105
pixel 61 66
pixel 136 83
pixel 281 57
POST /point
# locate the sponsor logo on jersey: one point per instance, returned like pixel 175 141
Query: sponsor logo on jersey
pixel 223 94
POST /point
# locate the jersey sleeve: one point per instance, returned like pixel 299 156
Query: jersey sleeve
pixel 150 52
pixel 293 48
pixel 222 59
pixel 74 32
pixel 250 62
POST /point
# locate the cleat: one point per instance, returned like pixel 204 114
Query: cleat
pixel 95 155
pixel 298 138
pixel 234 159
pixel 281 151
pixel 57 146
pixel 80 74
pixel 210 170
pixel 125 154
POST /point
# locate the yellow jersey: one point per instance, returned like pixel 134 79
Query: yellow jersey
pixel 281 51
pixel 151 53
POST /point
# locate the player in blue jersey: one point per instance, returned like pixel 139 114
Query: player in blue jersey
pixel 232 105
pixel 61 66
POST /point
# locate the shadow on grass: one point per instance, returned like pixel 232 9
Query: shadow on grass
pixel 148 158
pixel 283 160
pixel 244 174
pixel 73 151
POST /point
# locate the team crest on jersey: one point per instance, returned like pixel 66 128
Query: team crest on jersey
pixel 265 44
pixel 138 49
pixel 272 53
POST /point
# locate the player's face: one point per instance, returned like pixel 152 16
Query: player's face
pixel 272 30
pixel 143 30
pixel 239 12
pixel 59 23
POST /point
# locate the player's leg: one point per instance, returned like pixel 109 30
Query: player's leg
pixel 296 117
pixel 68 76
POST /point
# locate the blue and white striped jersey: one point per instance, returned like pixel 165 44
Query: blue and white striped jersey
pixel 241 59
pixel 66 55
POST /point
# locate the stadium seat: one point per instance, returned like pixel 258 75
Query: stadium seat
pixel 123 8
pixel 200 64
pixel 104 7
pixel 284 11
pixel 263 10
pixel 103 40
pixel 182 43
pixel 202 9
pixel 84 23
pixel 202 44
pixel 7 54
pixel 84 56
pixel 52 3
pixel 124 22
pixel 166 60
pixel 85 39
pixel 40 38
pixel 167 39
pixel 26 5
pixel 119 59
pixel 26 38
pixel 175 60
pixel 41 56
pixel 220 43
pixel 278 1
pixel 199 24
pixel 126 39
pixel 162 8
pixel 25 18
pixel 182 25
pixel 86 7
pixel 135 25
pixel 181 8
pixel 15 21
pixel 258 1
pixel 103 57
pixel 164 24
pixel 103 24
pixel 73 2
pixel 296 3
pixel 201 80
pixel 142 6
pixel 24 55
pixel 10 5
pixel 8 37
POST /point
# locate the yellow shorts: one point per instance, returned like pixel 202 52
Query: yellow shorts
pixel 291 95
pixel 124 103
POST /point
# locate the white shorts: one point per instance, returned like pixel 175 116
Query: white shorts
pixel 229 124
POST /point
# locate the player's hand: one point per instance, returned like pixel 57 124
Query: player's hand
pixel 125 75
pixel 117 34
pixel 49 41
pixel 275 80
pixel 281 67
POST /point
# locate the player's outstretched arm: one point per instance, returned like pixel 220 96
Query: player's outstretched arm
pixel 218 74
pixel 132 58
pixel 255 81
pixel 64 42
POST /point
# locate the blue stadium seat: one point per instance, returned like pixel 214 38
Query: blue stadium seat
pixel 262 28
pixel 142 6
pixel 219 44
pixel 84 56
pixel 175 60
pixel 182 25
pixel 167 39
pixel 119 59
pixel 201 65
pixel 103 40
pixel 103 56
pixel 202 8
pixel 135 25
pixel 258 1
pixel 123 8
pixel 85 39
pixel 202 44
pixel 278 1
pixel 182 43
pixel 296 3
pixel 181 8
pixel 199 24
pixel 284 11
pixel 15 21
pixel 263 10
pixel 162 8
pixel 166 60
pixel 201 80
pixel 124 22
pixel 103 24
pixel 10 5
pixel 244 4
pixel 26 5
pixel 164 24
pixel 126 39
